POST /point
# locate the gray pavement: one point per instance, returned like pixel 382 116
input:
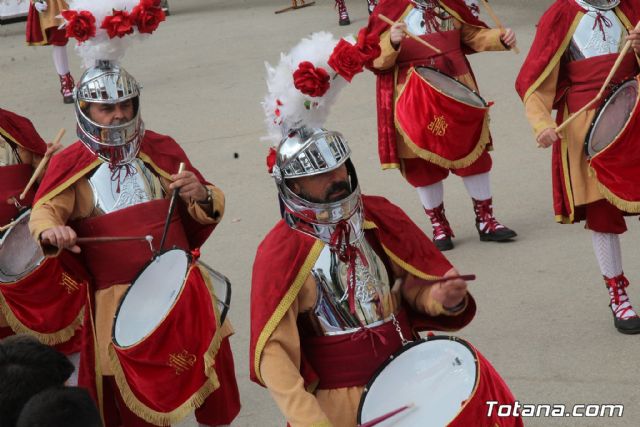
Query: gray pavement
pixel 543 319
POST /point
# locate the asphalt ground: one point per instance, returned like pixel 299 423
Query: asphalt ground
pixel 543 319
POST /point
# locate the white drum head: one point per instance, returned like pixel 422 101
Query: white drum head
pixel 150 297
pixel 451 87
pixel 20 254
pixel 435 375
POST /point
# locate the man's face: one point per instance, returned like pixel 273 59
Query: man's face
pixel 324 188
pixel 111 114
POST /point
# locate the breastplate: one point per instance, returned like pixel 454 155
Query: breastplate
pixel 416 23
pixel 8 155
pixel 124 186
pixel 374 305
pixel 598 33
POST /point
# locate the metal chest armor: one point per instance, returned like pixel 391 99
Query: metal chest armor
pixel 600 32
pixel 416 22
pixel 124 186
pixel 8 155
pixel 374 305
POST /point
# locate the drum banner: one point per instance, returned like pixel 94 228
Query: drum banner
pixel 49 303
pixel 13 180
pixel 169 373
pixel 489 387
pixel 617 167
pixel 439 128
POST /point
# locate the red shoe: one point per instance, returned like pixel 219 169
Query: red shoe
pixel 66 88
pixel 625 318
pixel 442 232
pixel 343 15
pixel 489 229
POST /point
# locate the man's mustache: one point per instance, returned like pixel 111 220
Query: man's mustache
pixel 337 188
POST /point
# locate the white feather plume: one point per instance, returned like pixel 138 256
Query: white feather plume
pixel 101 46
pixel 285 106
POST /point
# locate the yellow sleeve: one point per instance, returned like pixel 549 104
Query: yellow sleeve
pixel 481 39
pixel 203 214
pixel 539 104
pixel 388 54
pixel 280 368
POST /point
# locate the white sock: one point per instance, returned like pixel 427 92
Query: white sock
pixel 478 186
pixel 74 358
pixel 60 59
pixel 607 249
pixel 432 195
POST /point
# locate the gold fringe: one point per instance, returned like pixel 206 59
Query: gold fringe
pixel 284 305
pixel 387 166
pixel 53 338
pixel 622 204
pixel 194 401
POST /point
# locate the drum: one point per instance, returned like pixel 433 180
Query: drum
pixel 221 289
pixel 43 297
pixel 612 118
pixel 441 120
pixel 444 378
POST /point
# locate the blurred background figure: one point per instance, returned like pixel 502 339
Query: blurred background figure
pixel 60 407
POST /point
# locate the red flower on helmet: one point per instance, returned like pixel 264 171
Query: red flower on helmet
pixel 271 159
pixel 347 60
pixel 80 25
pixel 118 25
pixel 148 15
pixel 310 80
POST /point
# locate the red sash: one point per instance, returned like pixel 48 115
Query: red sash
pixel 585 77
pixel 13 180
pixel 350 360
pixel 119 262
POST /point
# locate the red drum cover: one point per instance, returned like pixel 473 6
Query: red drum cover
pixel 170 372
pixel 438 127
pixel 13 180
pixel 617 167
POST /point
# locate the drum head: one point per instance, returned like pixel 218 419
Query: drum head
pixel 221 289
pixel 436 375
pixel 20 254
pixel 150 297
pixel 612 118
pixel 451 87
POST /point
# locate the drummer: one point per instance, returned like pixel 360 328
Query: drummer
pixel 453 27
pixel 21 150
pixel 314 344
pixel 575 47
pixel 111 176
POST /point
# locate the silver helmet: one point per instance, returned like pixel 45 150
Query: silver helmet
pixel 108 83
pixel 601 4
pixel 313 151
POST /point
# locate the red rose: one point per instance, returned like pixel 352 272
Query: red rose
pixel 80 25
pixel 310 80
pixel 119 24
pixel 369 47
pixel 147 16
pixel 271 159
pixel 346 60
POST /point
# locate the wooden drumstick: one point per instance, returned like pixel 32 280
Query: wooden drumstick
pixel 42 165
pixel 603 89
pixel 8 226
pixel 410 34
pixel 81 240
pixel 465 277
pixel 172 204
pixel 381 418
pixel 495 18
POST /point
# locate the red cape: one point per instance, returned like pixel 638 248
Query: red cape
pixel 393 9
pixel 19 130
pixel 555 29
pixel 160 152
pixel 285 258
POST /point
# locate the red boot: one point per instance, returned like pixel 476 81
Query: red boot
pixel 371 4
pixel 489 229
pixel 343 15
pixel 66 88
pixel 625 318
pixel 442 232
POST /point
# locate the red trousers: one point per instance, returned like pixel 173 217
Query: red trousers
pixel 603 217
pixel 420 173
pixel 221 407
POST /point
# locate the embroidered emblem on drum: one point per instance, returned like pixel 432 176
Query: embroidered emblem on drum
pixel 69 283
pixel 438 126
pixel 182 361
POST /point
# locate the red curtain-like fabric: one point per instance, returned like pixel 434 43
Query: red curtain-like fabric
pixel 13 180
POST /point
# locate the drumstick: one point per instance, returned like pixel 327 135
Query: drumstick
pixel 495 18
pixel 81 240
pixel 410 34
pixel 172 205
pixel 11 224
pixel 465 277
pixel 41 166
pixel 381 418
pixel 600 94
